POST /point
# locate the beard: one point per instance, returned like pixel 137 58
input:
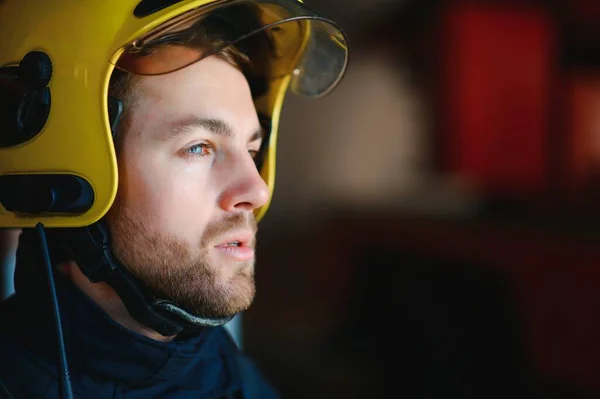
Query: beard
pixel 182 273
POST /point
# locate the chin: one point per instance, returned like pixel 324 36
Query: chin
pixel 242 291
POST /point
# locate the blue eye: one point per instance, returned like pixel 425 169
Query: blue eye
pixel 199 150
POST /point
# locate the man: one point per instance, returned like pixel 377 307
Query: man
pixel 138 138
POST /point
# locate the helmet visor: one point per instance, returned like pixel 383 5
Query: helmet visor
pixel 278 37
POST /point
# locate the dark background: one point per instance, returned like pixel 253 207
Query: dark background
pixel 434 229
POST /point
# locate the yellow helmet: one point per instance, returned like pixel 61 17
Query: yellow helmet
pixel 57 159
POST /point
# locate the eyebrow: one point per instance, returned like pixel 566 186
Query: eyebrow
pixel 217 126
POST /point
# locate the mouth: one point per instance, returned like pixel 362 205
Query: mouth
pixel 239 246
pixel 233 244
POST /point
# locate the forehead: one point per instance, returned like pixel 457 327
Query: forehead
pixel 209 88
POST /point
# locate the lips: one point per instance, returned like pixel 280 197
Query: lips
pixel 237 239
pixel 239 246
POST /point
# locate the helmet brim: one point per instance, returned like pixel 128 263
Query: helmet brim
pixel 280 37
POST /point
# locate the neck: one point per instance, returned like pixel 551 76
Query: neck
pixel 109 301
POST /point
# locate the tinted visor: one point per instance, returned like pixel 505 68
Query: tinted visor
pixel 279 37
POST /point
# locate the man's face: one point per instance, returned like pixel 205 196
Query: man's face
pixel 183 219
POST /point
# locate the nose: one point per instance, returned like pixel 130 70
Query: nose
pixel 245 189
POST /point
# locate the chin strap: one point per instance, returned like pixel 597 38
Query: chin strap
pixel 90 247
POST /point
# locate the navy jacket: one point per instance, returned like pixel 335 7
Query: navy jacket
pixel 108 361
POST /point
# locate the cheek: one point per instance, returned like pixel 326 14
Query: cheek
pixel 171 195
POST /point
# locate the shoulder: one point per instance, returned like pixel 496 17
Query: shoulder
pixel 254 383
pixel 21 373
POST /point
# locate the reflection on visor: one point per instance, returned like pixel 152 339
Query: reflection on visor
pixel 279 37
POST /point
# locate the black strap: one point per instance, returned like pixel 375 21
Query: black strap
pixel 140 306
